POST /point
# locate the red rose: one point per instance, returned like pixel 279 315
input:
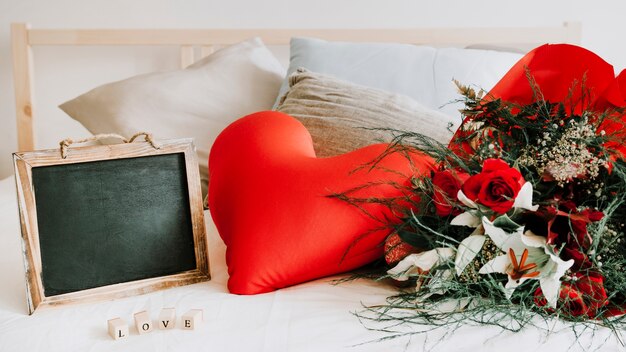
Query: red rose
pixel 583 296
pixel 495 187
pixel 447 184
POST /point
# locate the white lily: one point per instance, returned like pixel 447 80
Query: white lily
pixel 471 245
pixel 418 263
pixel 528 256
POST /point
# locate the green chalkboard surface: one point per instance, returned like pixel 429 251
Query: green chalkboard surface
pixel 112 221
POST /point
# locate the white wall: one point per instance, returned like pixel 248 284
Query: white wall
pixel 63 73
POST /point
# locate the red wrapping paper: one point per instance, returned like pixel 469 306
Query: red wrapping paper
pixel 556 69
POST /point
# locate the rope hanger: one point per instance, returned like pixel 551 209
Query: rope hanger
pixel 65 144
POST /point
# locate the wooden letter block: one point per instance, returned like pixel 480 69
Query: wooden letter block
pixel 118 329
pixel 192 319
pixel 143 322
pixel 167 318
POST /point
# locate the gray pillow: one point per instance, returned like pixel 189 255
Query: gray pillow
pixel 341 115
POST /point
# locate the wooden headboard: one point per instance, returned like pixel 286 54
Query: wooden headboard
pixel 207 40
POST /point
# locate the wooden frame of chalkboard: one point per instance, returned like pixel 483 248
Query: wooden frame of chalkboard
pixel 110 221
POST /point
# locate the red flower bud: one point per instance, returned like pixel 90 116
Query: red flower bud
pixel 447 184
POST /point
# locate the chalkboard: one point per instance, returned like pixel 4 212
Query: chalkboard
pixel 136 210
pixel 104 219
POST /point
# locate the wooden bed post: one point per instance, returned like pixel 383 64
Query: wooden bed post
pixel 187 56
pixel 23 39
pixel 23 81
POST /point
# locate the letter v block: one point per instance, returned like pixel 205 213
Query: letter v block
pixel 118 329
pixel 167 318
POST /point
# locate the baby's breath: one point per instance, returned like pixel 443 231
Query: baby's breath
pixel 567 157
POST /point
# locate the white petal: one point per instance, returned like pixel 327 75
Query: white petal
pixel 551 274
pixel 467 251
pixel 478 231
pixel 445 254
pixel 511 285
pixel 466 201
pixel 524 198
pixel 550 288
pixel 404 269
pixel 424 261
pixel 498 264
pixel 559 266
pixel 501 238
pixel 532 240
pixel 466 219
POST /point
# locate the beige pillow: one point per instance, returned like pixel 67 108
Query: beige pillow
pixel 198 102
pixel 341 115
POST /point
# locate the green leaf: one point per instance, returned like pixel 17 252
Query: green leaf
pixel 416 239
pixel 505 223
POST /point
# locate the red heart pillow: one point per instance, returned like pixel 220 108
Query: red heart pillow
pixel 268 199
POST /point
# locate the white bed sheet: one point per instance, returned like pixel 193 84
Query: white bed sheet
pixel 315 316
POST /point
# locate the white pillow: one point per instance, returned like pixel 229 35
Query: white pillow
pixel 421 72
pixel 479 68
pixel 198 102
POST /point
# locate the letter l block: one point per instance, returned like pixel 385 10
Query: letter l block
pixel 118 329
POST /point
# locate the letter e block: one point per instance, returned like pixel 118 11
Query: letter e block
pixel 167 318
pixel 118 329
pixel 192 319
pixel 143 323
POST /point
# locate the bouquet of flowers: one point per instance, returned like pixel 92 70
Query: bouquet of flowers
pixel 524 212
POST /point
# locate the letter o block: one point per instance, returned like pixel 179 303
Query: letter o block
pixel 143 323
